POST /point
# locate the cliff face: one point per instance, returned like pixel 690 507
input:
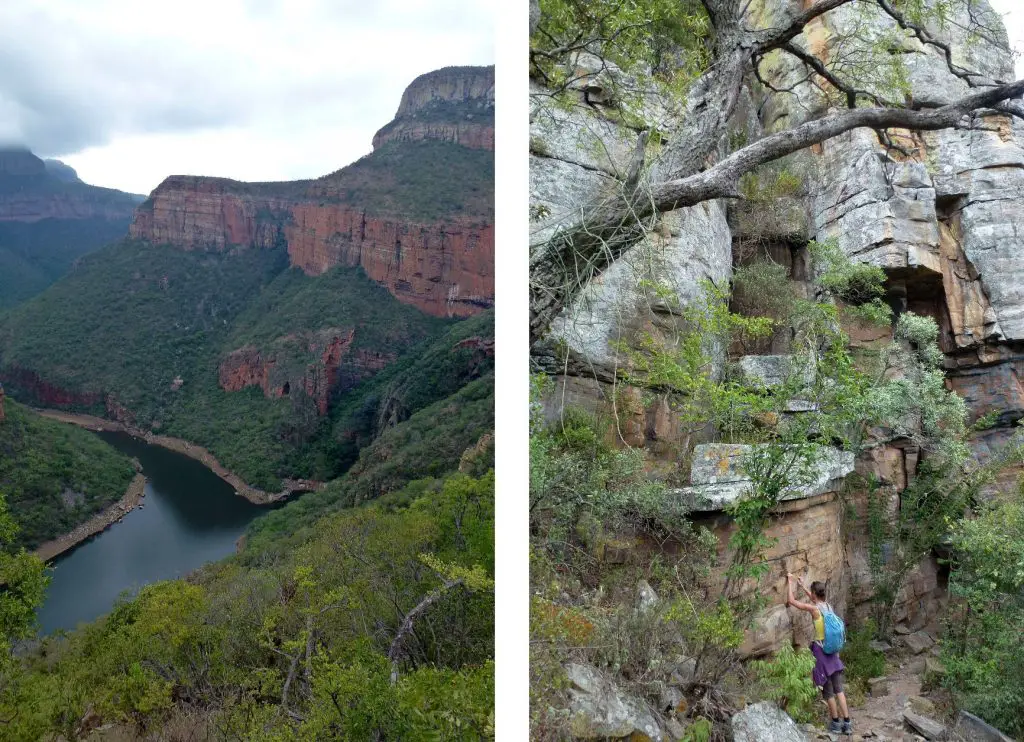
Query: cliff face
pixel 454 104
pixel 440 261
pixel 943 220
pixel 320 364
pixel 31 190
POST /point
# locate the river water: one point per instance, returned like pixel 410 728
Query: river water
pixel 190 516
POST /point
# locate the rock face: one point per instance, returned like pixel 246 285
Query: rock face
pixel 601 711
pixel 31 190
pixel 442 265
pixel 717 476
pixel 765 722
pixel 454 104
pixel 314 364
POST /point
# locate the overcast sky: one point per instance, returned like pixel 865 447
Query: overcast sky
pixel 1013 16
pixel 128 93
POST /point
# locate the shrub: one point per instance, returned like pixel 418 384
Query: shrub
pixel 786 679
pixel 861 661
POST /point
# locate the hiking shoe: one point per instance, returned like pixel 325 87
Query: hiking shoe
pixel 847 727
pixel 835 727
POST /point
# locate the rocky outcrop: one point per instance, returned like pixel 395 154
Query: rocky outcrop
pixel 317 363
pixel 600 710
pixel 454 104
pixel 942 218
pixel 765 722
pixel 443 266
pixel 30 190
pixel 34 387
pixel 718 479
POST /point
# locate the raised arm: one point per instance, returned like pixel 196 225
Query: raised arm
pixel 790 600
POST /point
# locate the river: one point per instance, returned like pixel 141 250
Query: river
pixel 190 516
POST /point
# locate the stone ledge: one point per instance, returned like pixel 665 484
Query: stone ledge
pixel 718 480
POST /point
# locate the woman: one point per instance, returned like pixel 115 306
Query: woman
pixel 828 670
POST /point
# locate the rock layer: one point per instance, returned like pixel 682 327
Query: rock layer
pixel 443 266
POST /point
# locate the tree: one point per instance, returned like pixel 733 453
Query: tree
pixel 710 48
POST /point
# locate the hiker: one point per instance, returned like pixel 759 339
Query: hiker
pixel 828 670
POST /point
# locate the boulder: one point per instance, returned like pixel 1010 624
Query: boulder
pixel 926 727
pixel 972 729
pixel 765 722
pixel 918 642
pixel 775 369
pixel 599 709
pixel 878 686
pixel 921 705
pixel 646 598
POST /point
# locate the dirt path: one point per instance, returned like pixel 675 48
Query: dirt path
pixel 200 454
pixel 97 523
pixel 880 719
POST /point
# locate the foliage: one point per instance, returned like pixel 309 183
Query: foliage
pixel 295 645
pixel 174 313
pixel 423 181
pixel 437 368
pixel 861 661
pixel 661 44
pixel 859 285
pixel 426 446
pixel 24 581
pixel 684 363
pixel 786 678
pixel 54 476
pixel 981 649
pixel 35 254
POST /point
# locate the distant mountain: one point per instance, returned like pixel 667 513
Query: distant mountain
pixel 48 219
pixel 63 172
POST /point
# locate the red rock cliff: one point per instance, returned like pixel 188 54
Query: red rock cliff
pixel 443 266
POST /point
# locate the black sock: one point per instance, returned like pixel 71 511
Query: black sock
pixel 846 719
pixel 835 719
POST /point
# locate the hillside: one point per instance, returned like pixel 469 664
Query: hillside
pixel 237 316
pixel 48 219
pixel 54 476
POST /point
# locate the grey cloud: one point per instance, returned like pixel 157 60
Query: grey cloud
pixel 64 88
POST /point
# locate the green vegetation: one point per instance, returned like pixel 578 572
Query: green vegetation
pixel 981 650
pixel 600 522
pixel 54 476
pixel 305 643
pixel 431 442
pixel 34 255
pixel 171 313
pixel 420 181
pixel 786 678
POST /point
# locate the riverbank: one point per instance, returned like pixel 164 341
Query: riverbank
pixel 200 454
pixel 96 523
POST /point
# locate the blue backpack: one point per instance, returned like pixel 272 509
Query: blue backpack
pixel 835 630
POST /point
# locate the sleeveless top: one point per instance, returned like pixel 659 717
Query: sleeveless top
pixel 819 622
